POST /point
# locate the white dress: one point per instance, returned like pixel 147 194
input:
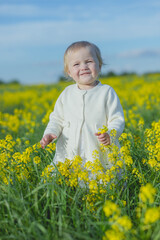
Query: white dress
pixel 77 116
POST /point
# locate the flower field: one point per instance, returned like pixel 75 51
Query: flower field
pixel 70 201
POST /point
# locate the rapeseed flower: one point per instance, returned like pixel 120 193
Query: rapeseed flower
pixel 37 160
pixel 110 209
pixel 147 193
pixel 124 222
pixel 152 215
pixel 111 234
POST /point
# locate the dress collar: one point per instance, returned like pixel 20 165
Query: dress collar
pixel 84 91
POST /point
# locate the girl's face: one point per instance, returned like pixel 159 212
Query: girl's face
pixel 83 67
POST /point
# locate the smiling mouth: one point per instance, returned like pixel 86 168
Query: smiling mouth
pixel 85 73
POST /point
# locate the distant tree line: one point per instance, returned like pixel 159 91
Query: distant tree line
pixel 13 81
pixel 110 74
pixel 103 75
pixel 113 74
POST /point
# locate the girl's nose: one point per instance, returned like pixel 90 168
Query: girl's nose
pixel 84 66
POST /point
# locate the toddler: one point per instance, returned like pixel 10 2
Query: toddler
pixel 83 108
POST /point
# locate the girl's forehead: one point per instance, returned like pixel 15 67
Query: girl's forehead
pixel 82 52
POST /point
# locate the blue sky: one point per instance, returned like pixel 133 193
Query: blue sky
pixel 35 34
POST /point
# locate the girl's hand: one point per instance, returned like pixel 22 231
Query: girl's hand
pixel 104 138
pixel 47 139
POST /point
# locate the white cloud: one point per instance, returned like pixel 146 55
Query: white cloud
pixel 69 23
pixel 62 11
pixel 140 53
pixel 55 32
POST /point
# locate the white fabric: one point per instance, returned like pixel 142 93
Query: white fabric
pixel 77 116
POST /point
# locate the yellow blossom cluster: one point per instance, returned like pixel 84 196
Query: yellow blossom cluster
pixel 146 210
pixel 30 103
pixel 24 114
pixel 46 173
pixel 34 102
pixel 131 91
pixel 90 175
pixel 127 158
pixel 152 146
pixel 147 193
pixel 102 130
pixel 18 164
pixel 120 225
pixel 152 215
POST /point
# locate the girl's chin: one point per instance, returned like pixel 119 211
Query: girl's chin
pixel 87 83
pixel 86 78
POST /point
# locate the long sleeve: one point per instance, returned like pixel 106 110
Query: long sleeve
pixel 55 124
pixel 115 113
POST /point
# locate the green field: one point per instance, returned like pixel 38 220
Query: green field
pixel 40 201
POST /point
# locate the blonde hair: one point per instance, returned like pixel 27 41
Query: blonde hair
pixel 77 45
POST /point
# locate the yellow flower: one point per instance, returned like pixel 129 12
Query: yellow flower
pixel 141 123
pixel 9 138
pixel 110 208
pixel 102 130
pixel 51 147
pixel 27 142
pixel 46 173
pixel 136 172
pixel 18 140
pixel 123 136
pixel 119 163
pixel 125 222
pixel 84 176
pixel 152 215
pixel 112 234
pixel 152 162
pixel 147 193
pixel 93 186
pixel 124 203
pixel 37 159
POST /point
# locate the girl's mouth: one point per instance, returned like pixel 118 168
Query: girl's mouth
pixel 85 73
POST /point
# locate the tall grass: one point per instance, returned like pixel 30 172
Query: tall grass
pixel 37 206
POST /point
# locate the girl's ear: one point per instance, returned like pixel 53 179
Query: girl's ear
pixel 69 74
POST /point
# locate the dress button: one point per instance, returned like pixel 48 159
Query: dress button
pixel 68 124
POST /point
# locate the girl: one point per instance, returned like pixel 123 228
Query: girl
pixel 83 108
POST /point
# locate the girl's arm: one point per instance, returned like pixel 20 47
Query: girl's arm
pixel 103 138
pixel 114 113
pixel 55 124
pixel 47 139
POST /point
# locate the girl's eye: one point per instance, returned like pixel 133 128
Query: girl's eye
pixel 76 64
pixel 89 61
